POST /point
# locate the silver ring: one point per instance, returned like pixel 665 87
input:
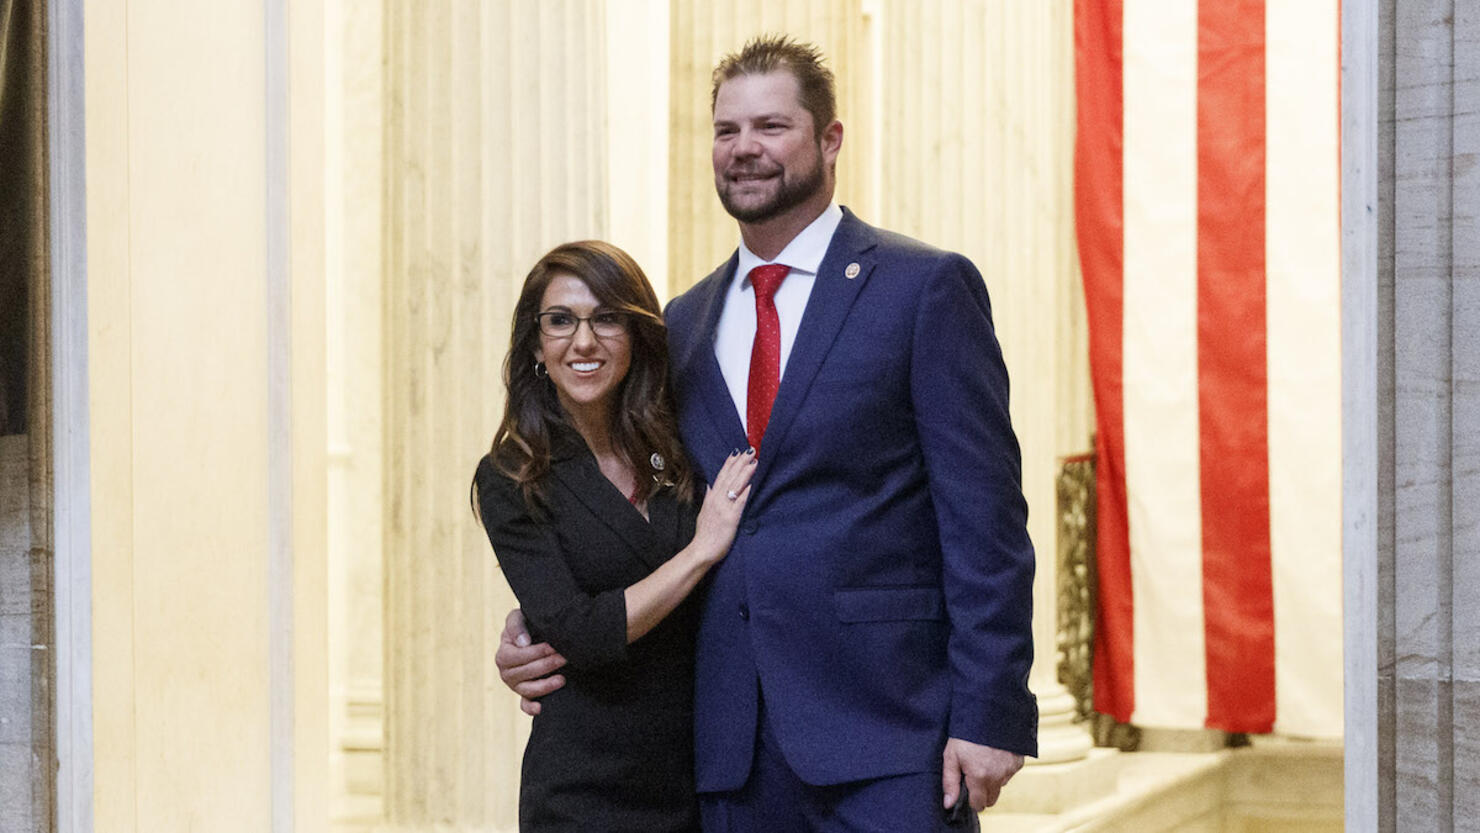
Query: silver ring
pixel 732 495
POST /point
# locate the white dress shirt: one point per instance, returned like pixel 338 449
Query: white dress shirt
pixel 735 334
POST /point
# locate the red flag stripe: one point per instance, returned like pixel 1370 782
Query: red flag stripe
pixel 1100 215
pixel 1232 371
pixel 1206 202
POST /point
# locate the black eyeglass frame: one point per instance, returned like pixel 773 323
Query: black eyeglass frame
pixel 621 320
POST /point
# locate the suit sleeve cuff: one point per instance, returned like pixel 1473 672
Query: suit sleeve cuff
pixel 1010 724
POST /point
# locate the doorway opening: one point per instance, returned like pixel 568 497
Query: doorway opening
pixel 27 727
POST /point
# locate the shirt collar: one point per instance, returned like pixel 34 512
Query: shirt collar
pixel 805 251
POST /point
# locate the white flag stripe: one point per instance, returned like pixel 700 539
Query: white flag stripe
pixel 1160 361
pixel 1302 250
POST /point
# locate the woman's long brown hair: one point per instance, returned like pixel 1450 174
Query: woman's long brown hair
pixel 644 420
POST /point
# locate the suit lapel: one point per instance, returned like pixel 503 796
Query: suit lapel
pixel 832 297
pixel 709 380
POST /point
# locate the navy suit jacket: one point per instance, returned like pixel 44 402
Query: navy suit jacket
pixel 879 591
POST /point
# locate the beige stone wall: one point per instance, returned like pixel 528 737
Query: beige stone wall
pixel 205 370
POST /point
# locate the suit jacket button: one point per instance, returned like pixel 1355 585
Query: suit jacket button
pixel 745 611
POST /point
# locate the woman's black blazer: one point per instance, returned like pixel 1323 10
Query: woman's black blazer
pixel 615 743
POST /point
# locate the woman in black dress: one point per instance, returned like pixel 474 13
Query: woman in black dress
pixel 590 504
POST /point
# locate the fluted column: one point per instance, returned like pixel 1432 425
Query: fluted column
pixel 354 266
pixel 977 156
pixel 703 234
pixel 192 490
pixel 637 44
pixel 494 153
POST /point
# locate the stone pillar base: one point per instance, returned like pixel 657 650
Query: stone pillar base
pixel 1182 740
pixel 1051 789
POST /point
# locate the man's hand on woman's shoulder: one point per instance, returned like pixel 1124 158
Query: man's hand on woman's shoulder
pixel 528 670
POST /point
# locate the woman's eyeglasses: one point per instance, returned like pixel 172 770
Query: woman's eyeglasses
pixel 563 324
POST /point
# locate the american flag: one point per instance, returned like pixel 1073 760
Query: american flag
pixel 1207 204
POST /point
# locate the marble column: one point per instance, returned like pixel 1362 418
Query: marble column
pixel 702 34
pixel 494 152
pixel 17 691
pixel 354 266
pixel 190 418
pixel 1413 254
pixel 977 134
pixel 637 95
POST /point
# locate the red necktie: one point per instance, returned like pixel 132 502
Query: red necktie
pixel 765 353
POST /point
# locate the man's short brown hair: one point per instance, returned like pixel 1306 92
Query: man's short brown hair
pixel 777 53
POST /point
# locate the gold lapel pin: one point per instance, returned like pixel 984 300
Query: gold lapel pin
pixel 851 272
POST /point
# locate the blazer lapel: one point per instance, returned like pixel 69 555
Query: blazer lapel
pixel 581 476
pixel 837 286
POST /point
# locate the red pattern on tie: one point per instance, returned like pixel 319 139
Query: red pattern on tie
pixel 765 352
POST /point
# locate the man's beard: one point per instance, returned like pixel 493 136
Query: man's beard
pixel 789 195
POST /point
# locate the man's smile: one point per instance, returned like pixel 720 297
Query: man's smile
pixel 752 176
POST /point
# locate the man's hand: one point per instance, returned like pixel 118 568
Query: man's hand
pixel 987 770
pixel 528 670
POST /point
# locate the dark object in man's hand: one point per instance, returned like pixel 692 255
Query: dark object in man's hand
pixel 960 816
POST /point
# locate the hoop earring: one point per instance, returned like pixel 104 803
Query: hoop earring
pixel 539 370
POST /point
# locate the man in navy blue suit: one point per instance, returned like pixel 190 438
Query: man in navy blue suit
pixel 864 649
